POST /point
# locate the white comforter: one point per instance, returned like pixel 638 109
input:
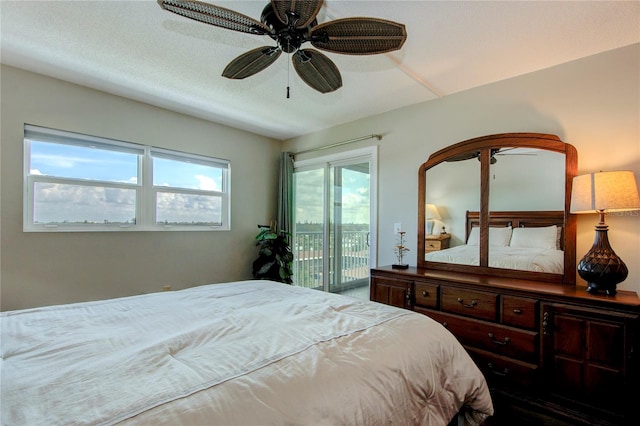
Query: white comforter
pixel 520 258
pixel 251 353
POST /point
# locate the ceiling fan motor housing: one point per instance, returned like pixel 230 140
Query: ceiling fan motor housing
pixel 288 37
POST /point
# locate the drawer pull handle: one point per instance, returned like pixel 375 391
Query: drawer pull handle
pixel 425 293
pixel 545 324
pixel 517 311
pixel 502 373
pixel 499 342
pixel 468 305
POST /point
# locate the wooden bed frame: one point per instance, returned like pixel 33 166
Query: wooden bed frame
pixel 519 219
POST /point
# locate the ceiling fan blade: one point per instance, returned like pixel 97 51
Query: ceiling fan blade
pixel 251 62
pixel 317 70
pixel 215 15
pixel 359 36
pixel 464 156
pixel 520 151
pixel 300 12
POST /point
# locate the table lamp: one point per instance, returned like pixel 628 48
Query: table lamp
pixel 601 193
pixel 431 213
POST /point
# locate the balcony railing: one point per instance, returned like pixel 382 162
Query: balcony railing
pixel 352 269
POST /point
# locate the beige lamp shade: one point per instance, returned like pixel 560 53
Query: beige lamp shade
pixel 432 212
pixel 605 191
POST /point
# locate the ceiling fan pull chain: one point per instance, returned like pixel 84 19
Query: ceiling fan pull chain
pixel 288 71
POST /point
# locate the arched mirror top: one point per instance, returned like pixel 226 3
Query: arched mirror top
pixel 518 184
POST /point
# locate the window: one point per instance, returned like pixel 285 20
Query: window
pixel 75 182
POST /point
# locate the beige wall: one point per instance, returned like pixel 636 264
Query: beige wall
pixel 592 103
pixel 51 268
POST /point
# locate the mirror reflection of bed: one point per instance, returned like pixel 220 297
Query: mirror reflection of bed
pixel 528 241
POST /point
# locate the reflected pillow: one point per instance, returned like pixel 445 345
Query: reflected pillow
pixel 544 237
pixel 498 237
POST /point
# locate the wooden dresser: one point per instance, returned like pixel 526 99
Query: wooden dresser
pixel 551 353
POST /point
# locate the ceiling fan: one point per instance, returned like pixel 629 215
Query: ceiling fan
pixel 492 160
pixel 291 23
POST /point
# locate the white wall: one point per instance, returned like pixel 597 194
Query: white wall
pixel 592 103
pixel 51 268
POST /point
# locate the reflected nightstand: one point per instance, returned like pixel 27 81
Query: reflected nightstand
pixel 436 242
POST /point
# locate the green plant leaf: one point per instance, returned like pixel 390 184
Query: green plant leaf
pixel 265 268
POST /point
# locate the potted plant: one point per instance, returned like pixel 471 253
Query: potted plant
pixel 275 259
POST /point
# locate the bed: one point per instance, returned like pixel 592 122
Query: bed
pixel 243 353
pixel 527 241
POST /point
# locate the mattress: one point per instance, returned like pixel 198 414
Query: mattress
pixel 242 353
pixel 523 259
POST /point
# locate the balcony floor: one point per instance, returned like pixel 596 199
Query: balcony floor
pixel 361 292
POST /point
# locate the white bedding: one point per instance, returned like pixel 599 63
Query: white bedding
pixel 520 258
pixel 251 353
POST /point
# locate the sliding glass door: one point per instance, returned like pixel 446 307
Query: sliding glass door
pixel 333 239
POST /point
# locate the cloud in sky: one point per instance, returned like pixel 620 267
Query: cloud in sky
pixel 207 183
pixel 57 203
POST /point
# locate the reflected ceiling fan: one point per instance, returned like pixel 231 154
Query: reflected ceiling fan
pixel 291 24
pixel 494 152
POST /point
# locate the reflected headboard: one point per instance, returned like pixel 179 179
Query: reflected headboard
pixel 520 219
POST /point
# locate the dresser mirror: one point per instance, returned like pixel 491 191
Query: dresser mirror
pixel 501 202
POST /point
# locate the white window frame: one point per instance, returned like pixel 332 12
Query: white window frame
pixel 145 190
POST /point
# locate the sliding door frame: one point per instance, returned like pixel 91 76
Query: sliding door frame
pixel 370 155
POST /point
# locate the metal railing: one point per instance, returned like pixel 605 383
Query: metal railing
pixel 351 271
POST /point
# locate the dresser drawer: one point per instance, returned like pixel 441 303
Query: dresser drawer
pixel 432 246
pixel 426 294
pixel 499 339
pixel 502 371
pixel 520 312
pixel 478 304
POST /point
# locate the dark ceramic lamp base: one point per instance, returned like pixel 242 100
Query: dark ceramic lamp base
pixel 601 267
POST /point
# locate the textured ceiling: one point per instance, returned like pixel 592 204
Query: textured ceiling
pixel 137 50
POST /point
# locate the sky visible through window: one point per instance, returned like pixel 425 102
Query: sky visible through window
pixel 83 163
pixel 354 202
pixel 97 202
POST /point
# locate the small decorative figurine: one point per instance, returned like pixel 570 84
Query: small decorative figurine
pixel 400 250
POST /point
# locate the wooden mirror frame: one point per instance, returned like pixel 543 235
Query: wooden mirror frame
pixel 483 145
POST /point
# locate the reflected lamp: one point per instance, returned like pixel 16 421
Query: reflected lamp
pixel 431 213
pixel 601 193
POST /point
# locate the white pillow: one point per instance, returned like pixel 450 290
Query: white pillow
pixel 474 237
pixel 498 237
pixel 544 237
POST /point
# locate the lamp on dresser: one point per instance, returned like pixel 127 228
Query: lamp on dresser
pixel 602 193
pixel 431 213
